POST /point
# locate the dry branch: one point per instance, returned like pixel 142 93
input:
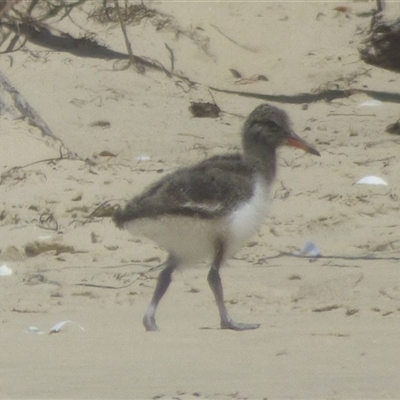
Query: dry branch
pixel 139 67
pixel 12 102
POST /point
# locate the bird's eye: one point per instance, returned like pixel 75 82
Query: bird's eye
pixel 272 125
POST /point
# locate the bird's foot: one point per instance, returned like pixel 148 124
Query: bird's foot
pixel 237 326
pixel 149 323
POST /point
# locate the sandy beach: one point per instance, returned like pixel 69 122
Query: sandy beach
pixel 329 324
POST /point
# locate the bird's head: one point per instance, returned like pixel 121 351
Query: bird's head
pixel 268 128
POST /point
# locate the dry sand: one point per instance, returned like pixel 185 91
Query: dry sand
pixel 329 326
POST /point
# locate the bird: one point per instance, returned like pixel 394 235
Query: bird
pixel 209 210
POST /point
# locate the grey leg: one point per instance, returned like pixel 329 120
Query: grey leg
pixel 164 279
pixel 214 280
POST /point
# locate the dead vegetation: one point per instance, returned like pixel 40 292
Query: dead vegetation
pixel 381 47
pixel 16 15
pixel 34 20
pixel 132 14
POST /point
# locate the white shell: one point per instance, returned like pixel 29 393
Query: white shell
pixel 310 249
pixel 56 328
pixel 34 329
pixel 5 271
pixel 371 103
pixel 45 237
pixel 371 180
pixel 143 157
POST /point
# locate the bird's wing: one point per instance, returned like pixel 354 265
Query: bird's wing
pixel 207 190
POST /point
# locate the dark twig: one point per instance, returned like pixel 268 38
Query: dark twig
pixel 47 221
pixel 21 106
pixel 350 115
pixel 172 57
pixel 349 258
pixel 139 67
pixel 140 274
pixel 103 210
pixel 5 6
pixel 106 286
pixel 326 95
pixel 232 40
pixel 38 162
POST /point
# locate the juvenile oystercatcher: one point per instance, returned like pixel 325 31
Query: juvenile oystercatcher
pixel 210 210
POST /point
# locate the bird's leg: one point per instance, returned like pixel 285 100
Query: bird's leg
pixel 163 281
pixel 214 280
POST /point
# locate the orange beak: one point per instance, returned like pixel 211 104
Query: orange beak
pixel 296 141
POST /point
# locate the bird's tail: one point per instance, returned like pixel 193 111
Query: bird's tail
pixel 118 217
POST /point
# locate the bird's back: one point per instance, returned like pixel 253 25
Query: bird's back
pixel 209 189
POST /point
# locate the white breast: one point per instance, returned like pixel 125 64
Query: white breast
pixel 245 221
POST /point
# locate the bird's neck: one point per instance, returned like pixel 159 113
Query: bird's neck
pixel 263 159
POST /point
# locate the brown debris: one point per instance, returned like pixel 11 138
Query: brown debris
pixel 381 47
pixel 204 110
pixel 394 128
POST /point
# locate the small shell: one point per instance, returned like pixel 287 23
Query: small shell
pixel 310 249
pixel 57 327
pixel 34 329
pixel 5 271
pixel 371 103
pixel 371 180
pixel 143 157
